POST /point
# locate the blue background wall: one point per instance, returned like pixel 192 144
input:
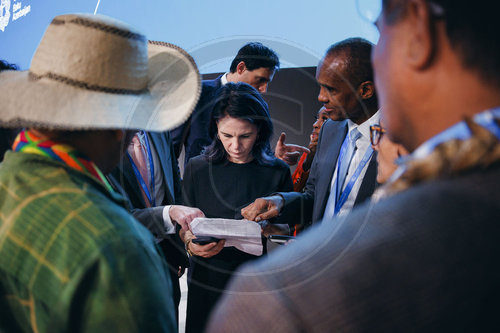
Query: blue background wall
pixel 300 31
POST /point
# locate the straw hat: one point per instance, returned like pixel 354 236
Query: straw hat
pixel 93 72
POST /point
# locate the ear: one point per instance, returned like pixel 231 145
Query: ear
pixel 402 150
pixel 366 89
pixel 421 45
pixel 241 67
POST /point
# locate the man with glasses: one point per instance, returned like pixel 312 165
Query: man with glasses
pixel 424 259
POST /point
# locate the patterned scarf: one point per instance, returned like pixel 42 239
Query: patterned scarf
pixel 27 142
pixel 448 159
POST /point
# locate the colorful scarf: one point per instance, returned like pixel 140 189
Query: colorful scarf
pixel 448 159
pixel 27 142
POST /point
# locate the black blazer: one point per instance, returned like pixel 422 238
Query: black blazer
pixel 152 218
pixel 193 134
pixel 308 207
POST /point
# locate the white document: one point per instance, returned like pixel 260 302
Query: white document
pixel 242 234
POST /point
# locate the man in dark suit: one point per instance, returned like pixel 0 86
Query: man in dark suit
pixel 345 76
pixel 157 206
pixel 254 64
pixel 425 258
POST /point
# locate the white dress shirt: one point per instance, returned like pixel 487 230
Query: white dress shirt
pixel 223 79
pixel 362 145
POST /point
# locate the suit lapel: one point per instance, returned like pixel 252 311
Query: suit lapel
pixel 369 182
pixel 163 152
pixel 127 179
pixel 334 142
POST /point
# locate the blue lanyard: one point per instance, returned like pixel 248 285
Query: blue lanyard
pixel 150 196
pixel 345 194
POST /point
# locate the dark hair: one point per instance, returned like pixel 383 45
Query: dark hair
pixel 357 52
pixel 255 55
pixel 472 29
pixel 240 100
pixel 4 65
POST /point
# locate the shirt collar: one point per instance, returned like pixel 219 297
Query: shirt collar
pixel 364 128
pixel 223 79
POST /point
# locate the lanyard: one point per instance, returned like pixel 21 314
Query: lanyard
pixel 345 194
pixel 150 196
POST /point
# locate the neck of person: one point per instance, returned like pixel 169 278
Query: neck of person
pixel 364 115
pixel 103 147
pixel 232 77
pixel 451 107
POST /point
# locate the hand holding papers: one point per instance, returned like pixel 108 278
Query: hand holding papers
pixel 242 234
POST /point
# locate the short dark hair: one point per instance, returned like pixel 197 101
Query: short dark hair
pixel 255 55
pixel 240 100
pixel 472 29
pixel 4 65
pixel 357 55
pixel 357 52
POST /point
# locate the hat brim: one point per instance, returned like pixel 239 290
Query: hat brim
pixel 173 91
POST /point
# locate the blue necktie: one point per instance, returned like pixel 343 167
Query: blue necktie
pixel 336 191
pixel 354 135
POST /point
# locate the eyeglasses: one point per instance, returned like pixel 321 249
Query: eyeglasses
pixel 376 132
pixel 370 10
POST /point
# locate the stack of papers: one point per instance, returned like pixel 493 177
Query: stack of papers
pixel 242 234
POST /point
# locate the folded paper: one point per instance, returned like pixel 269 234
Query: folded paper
pixel 242 234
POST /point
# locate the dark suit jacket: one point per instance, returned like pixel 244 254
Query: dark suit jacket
pixel 424 260
pixel 7 137
pixel 309 206
pixel 193 134
pixel 152 218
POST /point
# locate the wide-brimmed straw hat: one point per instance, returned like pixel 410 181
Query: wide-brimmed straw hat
pixel 94 72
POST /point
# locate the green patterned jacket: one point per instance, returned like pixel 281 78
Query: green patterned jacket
pixel 72 258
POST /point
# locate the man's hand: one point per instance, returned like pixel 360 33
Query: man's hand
pixel 183 215
pixel 263 208
pixel 289 153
